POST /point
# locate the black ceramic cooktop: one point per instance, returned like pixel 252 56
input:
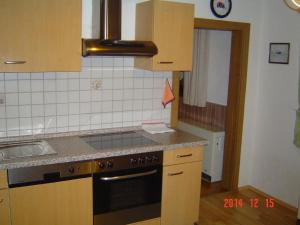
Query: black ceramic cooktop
pixel 117 140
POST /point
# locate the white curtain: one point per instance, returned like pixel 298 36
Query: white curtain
pixel 195 82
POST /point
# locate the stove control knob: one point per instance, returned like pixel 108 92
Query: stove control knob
pixel 154 158
pixel 148 159
pixel 101 165
pixel 133 161
pixel 71 170
pixel 110 164
pixel 142 160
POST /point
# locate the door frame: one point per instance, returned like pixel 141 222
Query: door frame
pixel 236 95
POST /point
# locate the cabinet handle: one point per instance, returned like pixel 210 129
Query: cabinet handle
pixel 14 62
pixel 182 156
pixel 1 200
pixel 128 176
pixel 165 62
pixel 175 174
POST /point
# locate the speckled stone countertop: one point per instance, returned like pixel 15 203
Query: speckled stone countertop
pixel 71 148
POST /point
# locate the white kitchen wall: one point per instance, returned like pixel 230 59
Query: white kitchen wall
pixel 218 66
pixel 107 93
pixel 275 167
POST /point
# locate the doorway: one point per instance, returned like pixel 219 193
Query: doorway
pixel 236 96
pixel 203 101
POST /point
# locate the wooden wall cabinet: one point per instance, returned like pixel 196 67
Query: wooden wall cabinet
pixel 181 187
pixel 67 202
pixel 170 26
pixel 40 35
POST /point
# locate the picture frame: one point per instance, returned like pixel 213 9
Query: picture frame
pixel 279 53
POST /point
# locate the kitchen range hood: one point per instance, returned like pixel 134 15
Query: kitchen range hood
pixel 110 43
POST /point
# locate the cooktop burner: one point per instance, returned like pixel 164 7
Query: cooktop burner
pixel 117 140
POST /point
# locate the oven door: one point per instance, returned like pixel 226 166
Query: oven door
pixel 127 196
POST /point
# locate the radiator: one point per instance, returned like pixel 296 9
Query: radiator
pixel 212 164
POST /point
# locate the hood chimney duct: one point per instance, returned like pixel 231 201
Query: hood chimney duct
pixel 110 19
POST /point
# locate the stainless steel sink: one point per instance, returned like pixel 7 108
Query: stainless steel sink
pixel 25 149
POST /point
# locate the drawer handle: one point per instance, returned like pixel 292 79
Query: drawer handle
pixel 175 174
pixel 183 156
pixel 14 62
pixel 165 62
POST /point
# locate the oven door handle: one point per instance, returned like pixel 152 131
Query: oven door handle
pixel 129 176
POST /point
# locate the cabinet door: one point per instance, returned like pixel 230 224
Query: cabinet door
pixel 4 207
pixel 181 194
pixel 173 35
pixel 60 203
pixel 40 35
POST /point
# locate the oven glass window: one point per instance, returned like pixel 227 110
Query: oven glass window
pixel 126 193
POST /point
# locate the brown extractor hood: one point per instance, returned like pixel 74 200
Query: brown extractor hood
pixel 109 43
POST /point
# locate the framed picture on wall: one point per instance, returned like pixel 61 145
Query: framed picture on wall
pixel 279 53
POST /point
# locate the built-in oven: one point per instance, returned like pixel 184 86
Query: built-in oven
pixel 127 189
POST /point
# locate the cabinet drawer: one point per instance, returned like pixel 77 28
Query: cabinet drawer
pixel 3 179
pixel 148 222
pixel 4 207
pixel 183 155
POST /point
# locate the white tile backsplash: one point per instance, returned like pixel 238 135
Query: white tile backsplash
pixel 24 98
pixel 39 103
pixel 37 98
pixel 25 110
pixel 24 86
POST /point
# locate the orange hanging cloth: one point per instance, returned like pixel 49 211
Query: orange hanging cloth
pixel 168 95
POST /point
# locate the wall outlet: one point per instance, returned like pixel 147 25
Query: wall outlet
pixel 2 99
pixel 96 84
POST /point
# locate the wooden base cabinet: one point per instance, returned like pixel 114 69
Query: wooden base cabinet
pixel 61 203
pixel 4 199
pixel 3 179
pixel 4 207
pixel 148 222
pixel 181 188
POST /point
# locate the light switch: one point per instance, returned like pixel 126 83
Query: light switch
pixel 96 84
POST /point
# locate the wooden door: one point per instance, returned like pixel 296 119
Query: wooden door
pixel 181 194
pixel 60 203
pixel 40 35
pixel 4 207
pixel 173 35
